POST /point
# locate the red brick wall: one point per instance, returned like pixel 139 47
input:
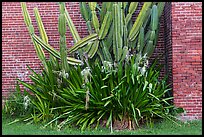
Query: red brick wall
pixel 17 48
pixel 187 57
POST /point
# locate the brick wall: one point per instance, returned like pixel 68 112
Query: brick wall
pixel 187 57
pixel 18 50
pixel 17 47
pixel 168 43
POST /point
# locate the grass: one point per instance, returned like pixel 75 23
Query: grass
pixel 164 127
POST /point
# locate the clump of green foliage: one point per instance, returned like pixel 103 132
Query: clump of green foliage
pixel 111 80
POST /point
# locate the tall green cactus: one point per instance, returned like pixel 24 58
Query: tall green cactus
pixel 28 22
pixel 86 14
pixel 62 31
pixel 118 35
pixel 42 42
pixel 111 39
pixel 94 20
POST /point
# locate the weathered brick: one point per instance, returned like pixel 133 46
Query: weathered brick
pixel 186 45
pixel 182 42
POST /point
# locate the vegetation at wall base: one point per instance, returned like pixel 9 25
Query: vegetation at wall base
pixel 106 80
pixel 164 127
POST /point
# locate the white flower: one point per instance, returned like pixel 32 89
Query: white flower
pixel 26 102
pixel 86 73
pixel 143 70
pixel 107 66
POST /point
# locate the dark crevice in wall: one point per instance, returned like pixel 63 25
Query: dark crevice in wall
pixel 168 43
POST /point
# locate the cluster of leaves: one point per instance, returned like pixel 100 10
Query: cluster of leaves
pixel 68 93
pixel 98 93
pixel 17 104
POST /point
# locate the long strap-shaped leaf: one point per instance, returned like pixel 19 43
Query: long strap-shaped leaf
pixel 55 53
pixel 83 42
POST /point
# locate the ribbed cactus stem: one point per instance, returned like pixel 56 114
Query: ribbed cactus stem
pixel 95 21
pixel 149 49
pixel 132 8
pixel 38 48
pixel 62 31
pixel 86 14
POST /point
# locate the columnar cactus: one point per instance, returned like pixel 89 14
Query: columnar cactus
pixel 62 31
pixel 111 37
pixel 42 42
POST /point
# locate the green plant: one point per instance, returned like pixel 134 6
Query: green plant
pixel 17 104
pixel 111 99
pixel 42 42
pixel 116 34
pixel 113 80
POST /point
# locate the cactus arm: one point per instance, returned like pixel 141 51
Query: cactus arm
pixel 106 52
pixel 140 45
pixel 62 31
pixel 27 19
pixel 88 47
pixel 147 18
pixel 121 20
pixel 26 15
pixel 149 49
pixel 72 28
pixel 93 49
pixel 154 18
pixel 103 11
pixel 160 7
pixel 139 21
pixel 40 26
pixel 54 52
pixel 131 10
pixel 86 14
pixel 106 22
pixel 83 42
pixel 115 41
pixel 109 39
pixel 117 36
pixel 95 21
pixel 125 52
pixel 42 31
